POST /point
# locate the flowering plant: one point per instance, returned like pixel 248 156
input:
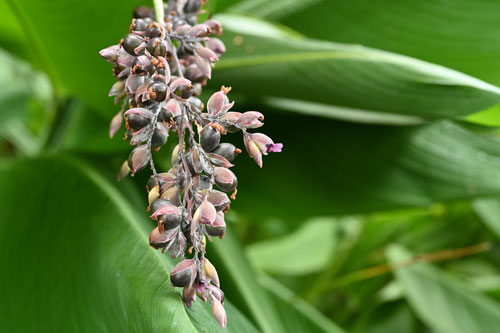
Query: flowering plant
pixel 161 67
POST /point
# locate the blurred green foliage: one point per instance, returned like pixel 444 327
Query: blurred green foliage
pixel 382 214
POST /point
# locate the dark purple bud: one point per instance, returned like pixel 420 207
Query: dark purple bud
pixel 136 120
pixel 138 158
pixel 194 74
pixel 110 53
pixel 133 82
pixel 160 137
pixel 168 209
pixel 184 273
pixel 130 42
pixel 170 221
pixel 251 119
pixel 225 179
pixel 182 89
pixel 158 91
pixel 154 30
pixel 227 150
pixel 116 123
pixel 219 199
pixel 218 228
pixel 209 138
pixel 159 239
pixel 141 24
pixel 202 182
pixel 159 203
pixel 192 6
pixel 156 47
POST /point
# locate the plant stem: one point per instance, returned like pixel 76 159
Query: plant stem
pixel 374 271
pixel 159 11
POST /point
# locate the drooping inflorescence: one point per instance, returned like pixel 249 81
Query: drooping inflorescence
pixel 161 68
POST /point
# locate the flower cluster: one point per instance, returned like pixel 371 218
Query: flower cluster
pixel 161 68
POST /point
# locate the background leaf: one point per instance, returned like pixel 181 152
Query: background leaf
pixel 443 302
pixel 89 253
pixel 280 64
pixel 458 34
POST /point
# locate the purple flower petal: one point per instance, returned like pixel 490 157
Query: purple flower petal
pixel 275 148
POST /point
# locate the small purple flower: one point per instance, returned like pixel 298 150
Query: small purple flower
pixel 275 148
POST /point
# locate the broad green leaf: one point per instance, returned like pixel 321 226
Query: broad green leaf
pixel 489 117
pixel 330 168
pixel 21 89
pixel 230 260
pixel 78 258
pixel 263 60
pixel 307 250
pixel 443 302
pixel 66 37
pixel 488 210
pixel 459 34
pixel 296 314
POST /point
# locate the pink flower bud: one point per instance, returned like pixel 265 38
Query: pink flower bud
pixel 225 179
pixel 265 143
pixel 116 123
pixel 166 210
pixel 251 119
pixel 204 66
pixel 206 213
pixel 207 54
pixel 216 45
pixel 252 149
pixel 219 312
pixel 138 158
pixel 110 53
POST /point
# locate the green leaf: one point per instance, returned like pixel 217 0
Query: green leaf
pixel 66 37
pixel 296 314
pixel 307 250
pixel 79 259
pixel 330 168
pixel 21 87
pixel 443 302
pixel 489 117
pixel 488 210
pixel 263 60
pixel 232 262
pixel 459 34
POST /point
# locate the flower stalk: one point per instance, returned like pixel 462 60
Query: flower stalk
pixel 161 67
